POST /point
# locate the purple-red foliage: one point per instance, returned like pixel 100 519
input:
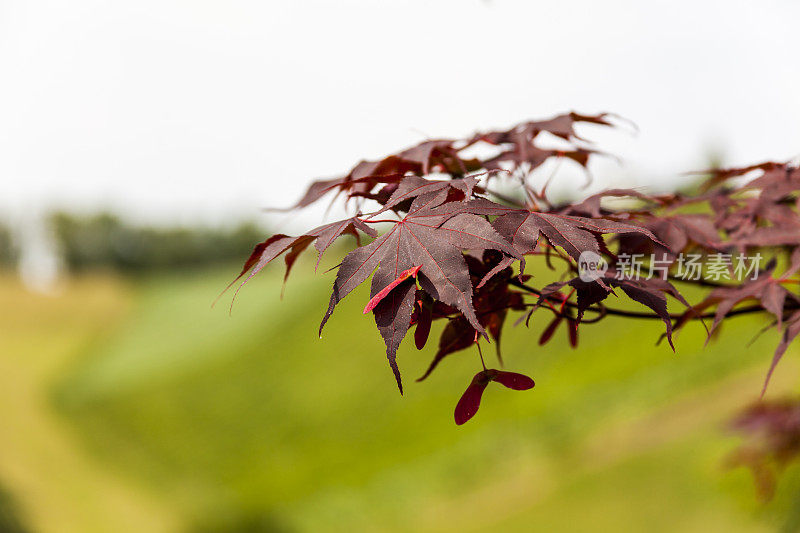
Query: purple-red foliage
pixel 452 241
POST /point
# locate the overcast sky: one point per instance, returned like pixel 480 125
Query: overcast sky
pixel 190 110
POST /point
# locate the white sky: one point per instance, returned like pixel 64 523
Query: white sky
pixel 193 110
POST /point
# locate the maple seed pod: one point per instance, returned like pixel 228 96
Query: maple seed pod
pixel 471 399
pixel 404 275
pixel 512 380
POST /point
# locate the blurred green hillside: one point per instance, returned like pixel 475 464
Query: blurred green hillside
pixel 131 405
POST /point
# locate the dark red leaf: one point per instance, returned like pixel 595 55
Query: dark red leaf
pixel 457 335
pixel 433 236
pixel 574 234
pixel 425 316
pixel 547 334
pixel 791 331
pixel 393 318
pixel 572 332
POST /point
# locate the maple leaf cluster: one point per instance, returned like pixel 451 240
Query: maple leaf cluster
pixel 454 249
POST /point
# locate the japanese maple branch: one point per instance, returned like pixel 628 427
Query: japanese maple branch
pixel 638 314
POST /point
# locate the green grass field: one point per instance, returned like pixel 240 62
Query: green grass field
pixel 136 407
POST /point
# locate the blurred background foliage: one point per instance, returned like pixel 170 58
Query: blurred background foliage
pixel 8 251
pixel 9 515
pixel 129 404
pixel 104 240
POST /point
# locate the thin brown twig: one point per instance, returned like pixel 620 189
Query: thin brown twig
pixel 639 314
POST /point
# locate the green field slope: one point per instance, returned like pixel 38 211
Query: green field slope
pixel 252 423
pixel 51 481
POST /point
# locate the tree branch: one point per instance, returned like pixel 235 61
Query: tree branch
pixel 640 314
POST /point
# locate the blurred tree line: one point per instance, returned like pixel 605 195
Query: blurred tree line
pixel 8 251
pixel 105 241
pixel 9 514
